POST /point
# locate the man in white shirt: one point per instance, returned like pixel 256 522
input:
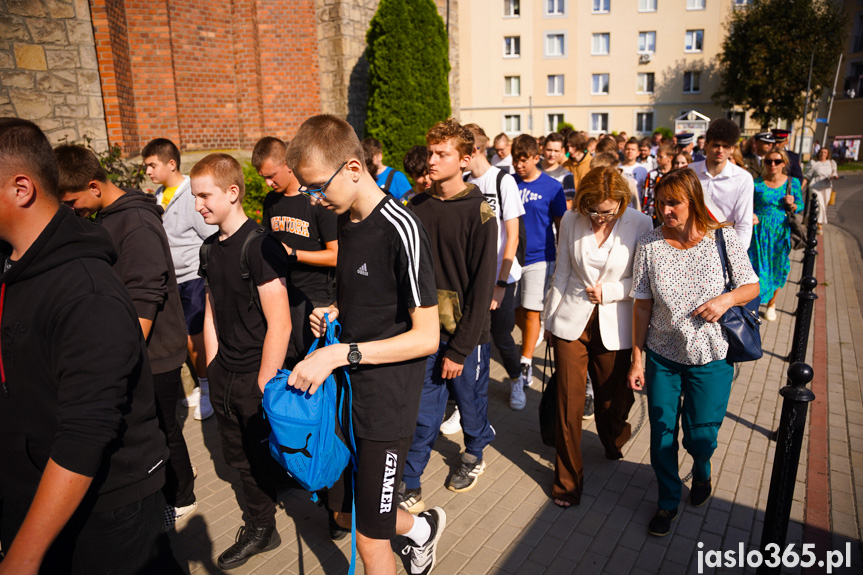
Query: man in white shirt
pixel 502 158
pixel 728 189
pixel 631 168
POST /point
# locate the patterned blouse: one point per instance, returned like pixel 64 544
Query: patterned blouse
pixel 679 281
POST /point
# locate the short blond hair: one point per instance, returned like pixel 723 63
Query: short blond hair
pixel 598 185
pixel 325 139
pixel 224 170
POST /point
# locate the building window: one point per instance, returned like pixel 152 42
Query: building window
pixel 694 41
pixel 644 122
pixel 695 4
pixel 553 121
pixel 741 2
pixel 511 46
pixel 691 82
pixel 555 85
pixel 512 85
pixel 646 42
pixel 512 123
pixel 738 118
pixel 600 44
pixel 647 5
pixel 601 6
pixel 645 83
pixel 555 7
pixel 555 45
pixel 511 8
pixel 599 122
pixel 599 84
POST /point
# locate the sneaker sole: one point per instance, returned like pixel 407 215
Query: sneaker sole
pixel 274 542
pixel 185 516
pixel 706 499
pixel 473 483
pixel 441 525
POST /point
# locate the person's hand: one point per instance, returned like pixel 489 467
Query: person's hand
pixel 451 369
pixel 309 374
pixel 594 294
pixel 755 220
pixel 548 336
pixel 712 310
pixel 635 377
pixel 497 297
pixel 317 321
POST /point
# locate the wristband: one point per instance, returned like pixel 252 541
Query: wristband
pixel 501 284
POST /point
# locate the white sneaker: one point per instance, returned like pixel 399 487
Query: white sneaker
pixel 174 516
pixel 770 314
pixel 452 425
pixel 193 398
pixel 204 408
pixel 516 396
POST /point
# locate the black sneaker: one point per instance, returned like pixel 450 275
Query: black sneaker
pixel 465 477
pixel 660 525
pixel 249 542
pixel 337 532
pixel 411 500
pixel 588 408
pixel 700 492
pixel 420 559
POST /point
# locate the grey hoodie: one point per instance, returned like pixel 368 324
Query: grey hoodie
pixel 186 231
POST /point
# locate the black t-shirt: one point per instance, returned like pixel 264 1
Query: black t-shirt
pixel 303 226
pixel 239 323
pixel 384 270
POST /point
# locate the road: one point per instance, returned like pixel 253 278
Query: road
pixel 847 213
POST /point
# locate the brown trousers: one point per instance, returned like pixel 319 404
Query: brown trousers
pixel 613 400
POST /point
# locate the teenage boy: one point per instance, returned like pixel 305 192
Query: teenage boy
pixel 387 307
pixel 308 234
pixel 186 231
pixel 246 341
pixel 645 158
pixel 417 167
pixel 502 157
pixel 134 221
pixel 81 451
pixel 553 156
pixel 630 168
pixel 578 162
pixel 389 179
pixel 544 204
pixel 728 189
pixel 664 155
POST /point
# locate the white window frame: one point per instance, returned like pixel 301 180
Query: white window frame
pixel 560 8
pixel 593 84
pixel 646 34
pixel 693 34
pixel 693 74
pixel 504 118
pixel 562 85
pixel 635 121
pixel 602 129
pixel 604 6
pixel 516 42
pixel 593 38
pixel 638 83
pixel 741 3
pixel 546 36
pixel 696 4
pixel 548 120
pixel 648 4
pixel 507 86
pixel 511 8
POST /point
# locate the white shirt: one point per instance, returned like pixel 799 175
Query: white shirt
pixel 511 209
pixel 729 197
pixel 503 164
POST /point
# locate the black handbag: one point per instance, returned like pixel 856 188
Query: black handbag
pixel 548 402
pixel 741 324
pixel 798 230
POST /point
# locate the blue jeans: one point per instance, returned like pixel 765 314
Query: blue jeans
pixel 470 391
pixel 705 390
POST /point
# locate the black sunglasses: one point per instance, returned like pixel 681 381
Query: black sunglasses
pixel 774 162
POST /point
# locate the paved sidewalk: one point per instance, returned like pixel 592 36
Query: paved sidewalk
pixel 508 524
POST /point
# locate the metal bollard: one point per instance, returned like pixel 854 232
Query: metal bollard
pixel 787 458
pixel 811 238
pixel 803 318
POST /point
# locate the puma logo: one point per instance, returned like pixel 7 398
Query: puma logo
pixel 304 450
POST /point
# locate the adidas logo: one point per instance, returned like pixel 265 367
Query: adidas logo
pixel 363 271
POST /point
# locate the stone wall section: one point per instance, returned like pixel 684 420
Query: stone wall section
pixel 48 69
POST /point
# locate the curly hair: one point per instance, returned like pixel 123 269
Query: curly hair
pixel 451 131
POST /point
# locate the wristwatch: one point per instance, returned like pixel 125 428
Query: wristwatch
pixel 501 283
pixel 354 357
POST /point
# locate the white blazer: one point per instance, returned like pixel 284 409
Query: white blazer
pixel 567 308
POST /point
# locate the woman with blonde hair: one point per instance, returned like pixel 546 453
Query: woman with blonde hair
pixel 679 287
pixel 588 316
pixel 819 176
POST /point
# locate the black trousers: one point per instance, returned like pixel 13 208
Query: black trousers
pixel 502 324
pixel 179 486
pixel 236 399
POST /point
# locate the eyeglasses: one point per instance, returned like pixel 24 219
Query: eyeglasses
pixel 774 162
pixel 603 215
pixel 318 193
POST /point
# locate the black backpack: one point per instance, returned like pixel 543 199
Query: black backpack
pixel 522 234
pixel 389 182
pixel 255 298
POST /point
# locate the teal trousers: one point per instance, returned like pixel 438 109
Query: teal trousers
pixel 697 397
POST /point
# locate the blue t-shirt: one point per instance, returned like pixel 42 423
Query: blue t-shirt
pixel 543 201
pixel 400 184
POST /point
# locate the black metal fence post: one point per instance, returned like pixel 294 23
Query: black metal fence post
pixel 803 318
pixel 811 238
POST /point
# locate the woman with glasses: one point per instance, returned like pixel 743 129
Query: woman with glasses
pixel 776 194
pixel 588 316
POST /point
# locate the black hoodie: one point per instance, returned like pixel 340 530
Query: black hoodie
pixel 144 264
pixel 76 382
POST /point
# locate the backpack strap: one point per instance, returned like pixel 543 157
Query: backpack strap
pixel 499 182
pixel 204 257
pixel 255 297
pixel 389 182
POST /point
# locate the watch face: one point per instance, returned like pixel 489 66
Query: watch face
pixel 354 357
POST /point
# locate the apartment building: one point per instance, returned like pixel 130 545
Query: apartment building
pixel 601 65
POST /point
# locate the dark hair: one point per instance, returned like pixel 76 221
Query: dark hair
pixel 619 138
pixel 416 162
pixel 78 167
pixel 577 140
pixel 164 149
pixel 604 160
pixel 723 130
pixel 268 148
pixel 644 142
pixel 554 137
pixel 371 147
pixel 25 148
pixel 326 139
pixel 606 144
pixel 524 146
pixel 632 140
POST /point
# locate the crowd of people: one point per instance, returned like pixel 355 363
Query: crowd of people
pixel 610 249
